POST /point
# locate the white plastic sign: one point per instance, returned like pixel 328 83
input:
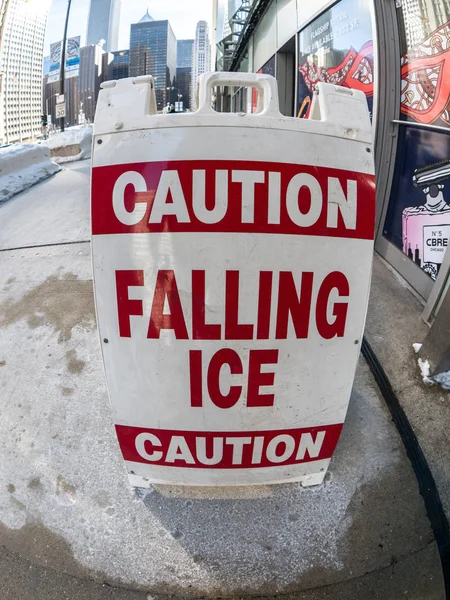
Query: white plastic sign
pixel 232 259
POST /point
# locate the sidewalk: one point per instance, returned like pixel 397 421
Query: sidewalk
pixel 65 503
pixel 393 325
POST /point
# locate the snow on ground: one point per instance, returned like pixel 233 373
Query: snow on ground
pixel 72 144
pixel 23 165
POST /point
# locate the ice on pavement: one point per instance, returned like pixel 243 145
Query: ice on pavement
pixel 442 379
pixel 70 137
pixel 424 367
pixel 23 165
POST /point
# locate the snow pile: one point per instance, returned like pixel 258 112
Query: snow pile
pixel 442 379
pixel 23 165
pixel 72 144
pixel 425 369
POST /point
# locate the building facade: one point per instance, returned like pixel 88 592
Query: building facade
pixel 201 62
pixel 103 24
pixel 107 58
pixel 183 85
pixel 3 7
pixel 22 33
pixel 46 65
pixel 397 54
pixel 72 100
pixel 119 67
pixel 153 51
pixel 90 78
pixel 185 49
pixel 185 55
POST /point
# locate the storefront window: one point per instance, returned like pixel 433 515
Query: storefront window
pixel 418 217
pixel 267 69
pixel 336 48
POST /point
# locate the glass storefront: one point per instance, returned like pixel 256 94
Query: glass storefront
pixel 412 120
pixel 267 69
pixel 336 48
pixel 418 216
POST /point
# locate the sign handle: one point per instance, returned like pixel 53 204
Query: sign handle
pixel 265 84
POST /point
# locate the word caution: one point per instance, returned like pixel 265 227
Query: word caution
pixel 227 450
pixel 188 196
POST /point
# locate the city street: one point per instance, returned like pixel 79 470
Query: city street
pixel 69 520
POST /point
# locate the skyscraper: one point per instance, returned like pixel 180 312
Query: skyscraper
pixel 103 24
pixel 119 67
pixel 22 33
pixel 90 78
pixel 183 85
pixel 72 100
pixel 153 51
pixel 202 57
pixel 185 49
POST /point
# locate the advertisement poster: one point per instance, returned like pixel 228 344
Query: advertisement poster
pixel 336 48
pixel 55 62
pixel 72 59
pixel 418 217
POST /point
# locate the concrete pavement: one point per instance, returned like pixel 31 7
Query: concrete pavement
pixel 393 325
pixel 54 211
pixel 65 503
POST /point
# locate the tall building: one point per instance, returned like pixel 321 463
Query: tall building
pixel 183 85
pixel 119 67
pixel 3 7
pixel 185 49
pixel 153 51
pixel 90 78
pixel 72 100
pixel 46 65
pixel 22 33
pixel 201 57
pixel 103 24
pixel 49 93
pixel 107 58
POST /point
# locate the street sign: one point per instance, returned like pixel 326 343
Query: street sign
pixel 232 260
pixel 60 110
pixel 60 99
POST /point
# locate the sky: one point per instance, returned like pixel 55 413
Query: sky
pixel 182 14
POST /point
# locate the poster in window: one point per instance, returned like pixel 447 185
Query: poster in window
pixel 418 217
pixel 336 48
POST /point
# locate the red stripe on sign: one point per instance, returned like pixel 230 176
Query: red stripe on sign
pixel 227 450
pixel 232 196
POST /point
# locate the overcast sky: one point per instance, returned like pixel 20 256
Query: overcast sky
pixel 182 14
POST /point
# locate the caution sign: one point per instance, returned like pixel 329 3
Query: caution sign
pixel 232 259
